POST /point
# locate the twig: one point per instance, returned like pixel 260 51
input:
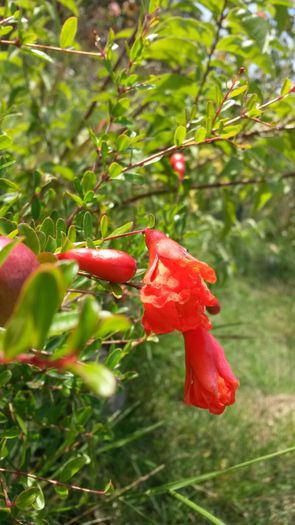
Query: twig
pixel 137 482
pixel 211 52
pixel 227 94
pixel 209 186
pixel 52 481
pixel 17 43
pixel 106 81
pixel 40 362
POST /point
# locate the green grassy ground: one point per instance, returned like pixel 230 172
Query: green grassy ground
pixel 256 331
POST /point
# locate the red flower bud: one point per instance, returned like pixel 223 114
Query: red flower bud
pixel 111 265
pixel 19 264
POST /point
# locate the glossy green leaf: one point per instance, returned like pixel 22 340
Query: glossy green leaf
pixel 179 135
pixel 27 499
pixel 30 237
pixel 5 142
pixel 71 467
pixel 96 376
pixel 70 4
pixel 40 298
pixel 68 32
pixel 86 327
pixel 286 86
pixel 200 135
pixel 115 170
pixel 104 225
pixel 111 323
pixel 5 377
pixel 121 229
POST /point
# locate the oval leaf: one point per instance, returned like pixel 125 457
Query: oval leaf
pixel 68 32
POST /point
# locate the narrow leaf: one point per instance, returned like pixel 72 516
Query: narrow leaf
pixel 197 508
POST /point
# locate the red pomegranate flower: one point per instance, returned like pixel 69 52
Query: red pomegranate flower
pixel 174 295
pixel 209 381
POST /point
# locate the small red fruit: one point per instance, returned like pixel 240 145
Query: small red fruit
pixel 177 162
pixel 17 267
pixel 111 265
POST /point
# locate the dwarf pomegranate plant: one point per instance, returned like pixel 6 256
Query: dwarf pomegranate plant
pixel 104 106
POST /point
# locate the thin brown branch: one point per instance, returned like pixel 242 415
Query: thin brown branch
pixel 227 94
pixel 52 481
pixel 211 52
pixel 137 482
pixel 205 186
pixel 17 43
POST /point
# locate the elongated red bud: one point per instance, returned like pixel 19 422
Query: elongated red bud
pixel 111 265
pixel 17 267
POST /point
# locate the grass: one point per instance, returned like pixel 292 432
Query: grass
pixel 256 332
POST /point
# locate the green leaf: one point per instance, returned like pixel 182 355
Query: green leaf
pixel 87 224
pixel 200 510
pixel 30 237
pixel 10 433
pixel 230 131
pixel 70 4
pixel 153 5
pixel 71 467
pixel 96 376
pixel 87 325
pixel 47 227
pixel 5 142
pixel 88 181
pixel 179 135
pixel 115 170
pixel 39 54
pixel 104 224
pixel 210 114
pixel 238 91
pixel 76 198
pixel 200 135
pixel 39 504
pixel 177 485
pixel 4 252
pixel 40 298
pixel 68 32
pixel 27 499
pixel 5 377
pixel 69 270
pixel 136 49
pixel 122 229
pixel 286 87
pixel 63 322
pixel 111 323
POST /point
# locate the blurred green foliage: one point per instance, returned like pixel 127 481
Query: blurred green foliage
pixel 94 98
